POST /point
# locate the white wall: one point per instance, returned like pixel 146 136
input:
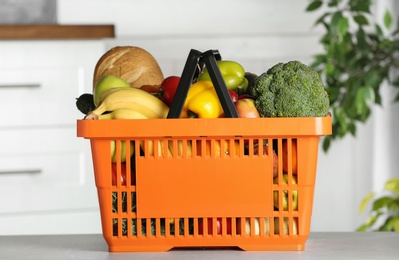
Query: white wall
pixel 189 17
pixel 257 34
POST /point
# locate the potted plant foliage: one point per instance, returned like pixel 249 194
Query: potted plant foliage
pixel 359 55
pixel 384 209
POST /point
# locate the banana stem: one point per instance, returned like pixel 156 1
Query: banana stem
pixel 91 116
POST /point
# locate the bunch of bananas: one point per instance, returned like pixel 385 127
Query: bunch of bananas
pixel 113 98
pixel 129 103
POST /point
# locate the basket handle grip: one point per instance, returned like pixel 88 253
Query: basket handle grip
pixel 195 62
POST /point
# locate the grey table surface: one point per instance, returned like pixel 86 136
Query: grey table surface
pixel 320 245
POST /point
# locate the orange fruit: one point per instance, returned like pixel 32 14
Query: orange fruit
pixel 294 160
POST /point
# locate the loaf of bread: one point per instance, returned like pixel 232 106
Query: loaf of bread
pixel 130 63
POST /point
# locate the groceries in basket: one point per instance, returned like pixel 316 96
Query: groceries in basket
pixel 128 78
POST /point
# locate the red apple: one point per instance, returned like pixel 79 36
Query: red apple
pixel 219 226
pixel 246 108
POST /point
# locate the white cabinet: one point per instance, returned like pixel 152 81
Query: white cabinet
pixel 46 174
pixel 40 96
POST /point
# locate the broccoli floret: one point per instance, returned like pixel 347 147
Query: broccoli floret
pixel 290 89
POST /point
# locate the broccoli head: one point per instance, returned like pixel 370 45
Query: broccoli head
pixel 290 89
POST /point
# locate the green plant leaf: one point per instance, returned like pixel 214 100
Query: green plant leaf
pixel 333 94
pixel 395 83
pixel 330 69
pixel 392 185
pixel 390 224
pixel 333 3
pixel 352 128
pixel 379 31
pixel 382 203
pixel 385 226
pixel 362 228
pixel 361 19
pixel 343 25
pixel 373 78
pixel 326 143
pixel 321 19
pixel 388 19
pixel 339 50
pixel 369 222
pixel 368 94
pixel 360 101
pixel 365 201
pixel 352 102
pixel 314 5
pixel 336 17
pixel 361 39
pixel 340 117
pixel 361 6
pixel 365 113
pixel 394 206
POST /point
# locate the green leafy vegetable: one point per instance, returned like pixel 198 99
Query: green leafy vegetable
pixel 290 89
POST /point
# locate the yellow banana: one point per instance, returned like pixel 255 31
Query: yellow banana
pixel 170 150
pixel 180 147
pixel 134 99
pixel 105 94
pixel 122 114
pixel 257 224
pixel 286 227
pixel 132 114
pixel 122 149
pixel 151 150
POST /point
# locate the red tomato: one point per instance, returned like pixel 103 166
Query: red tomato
pixel 219 226
pixel 123 173
pixel 168 89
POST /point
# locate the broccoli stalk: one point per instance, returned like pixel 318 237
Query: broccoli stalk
pixel 290 89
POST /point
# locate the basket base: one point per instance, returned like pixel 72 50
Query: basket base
pixel 244 248
pixel 245 245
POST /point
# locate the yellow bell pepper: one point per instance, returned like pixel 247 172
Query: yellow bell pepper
pixel 202 101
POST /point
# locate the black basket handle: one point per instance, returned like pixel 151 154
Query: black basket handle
pixel 194 64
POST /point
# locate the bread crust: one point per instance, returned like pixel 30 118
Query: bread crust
pixel 130 63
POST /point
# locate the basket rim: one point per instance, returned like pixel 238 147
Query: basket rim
pixel 194 128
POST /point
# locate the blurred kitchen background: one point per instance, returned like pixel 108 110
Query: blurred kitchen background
pixel 46 175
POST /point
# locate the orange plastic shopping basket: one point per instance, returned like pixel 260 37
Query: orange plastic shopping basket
pixel 225 182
